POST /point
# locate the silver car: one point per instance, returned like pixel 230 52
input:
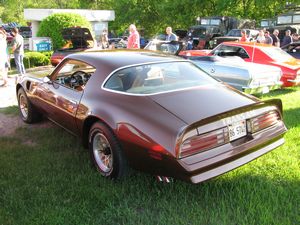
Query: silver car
pixel 248 77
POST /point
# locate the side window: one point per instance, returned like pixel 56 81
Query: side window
pixel 74 74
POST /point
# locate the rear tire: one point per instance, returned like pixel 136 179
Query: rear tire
pixel 106 152
pixel 27 111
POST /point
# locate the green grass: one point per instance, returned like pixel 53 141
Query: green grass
pixel 49 180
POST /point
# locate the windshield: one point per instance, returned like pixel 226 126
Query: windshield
pixel 201 32
pixel 157 78
pixel 170 48
pixel 234 33
pixel 264 23
pixel 277 54
pixel 284 19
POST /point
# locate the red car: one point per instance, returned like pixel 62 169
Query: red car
pixel 258 53
pixel 155 113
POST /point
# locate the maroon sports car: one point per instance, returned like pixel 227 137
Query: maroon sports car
pixel 153 112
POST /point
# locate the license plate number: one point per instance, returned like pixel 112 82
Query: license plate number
pixel 237 130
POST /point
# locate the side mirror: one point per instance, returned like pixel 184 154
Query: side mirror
pixel 47 80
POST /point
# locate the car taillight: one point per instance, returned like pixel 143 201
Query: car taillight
pixel 263 121
pixel 203 142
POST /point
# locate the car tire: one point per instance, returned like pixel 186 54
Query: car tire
pixel 106 152
pixel 27 111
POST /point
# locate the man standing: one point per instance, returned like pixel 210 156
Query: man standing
pixel 18 50
pixel 268 39
pixel 287 38
pixel 170 36
pixel 134 37
pixel 275 38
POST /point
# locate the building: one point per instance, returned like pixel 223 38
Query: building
pixel 98 18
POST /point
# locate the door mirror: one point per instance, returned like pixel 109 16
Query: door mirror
pixel 47 80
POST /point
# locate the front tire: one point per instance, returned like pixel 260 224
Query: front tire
pixel 27 111
pixel 106 152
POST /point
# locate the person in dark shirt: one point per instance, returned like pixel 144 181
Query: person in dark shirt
pixel 287 38
pixel 275 38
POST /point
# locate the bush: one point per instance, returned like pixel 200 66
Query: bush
pixel 33 59
pixel 52 26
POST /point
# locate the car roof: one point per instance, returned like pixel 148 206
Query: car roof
pixel 115 59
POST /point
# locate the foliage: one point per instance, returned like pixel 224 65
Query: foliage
pixel 33 59
pixel 52 26
pixel 153 15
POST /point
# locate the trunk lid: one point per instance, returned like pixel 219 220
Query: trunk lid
pixel 195 104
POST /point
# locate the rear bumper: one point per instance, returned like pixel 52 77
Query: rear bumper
pixel 262 89
pixel 295 82
pixel 211 163
pixel 235 163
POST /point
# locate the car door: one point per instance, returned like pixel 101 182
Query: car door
pixel 63 92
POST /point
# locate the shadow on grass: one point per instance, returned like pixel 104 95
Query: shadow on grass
pixel 279 92
pixel 292 117
pixel 10 110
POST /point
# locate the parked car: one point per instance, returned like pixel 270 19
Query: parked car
pixel 258 53
pixel 78 39
pixel 155 113
pixel 25 31
pixel 293 49
pixel 249 77
pixel 234 35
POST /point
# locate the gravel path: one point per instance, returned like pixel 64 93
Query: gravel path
pixel 8 94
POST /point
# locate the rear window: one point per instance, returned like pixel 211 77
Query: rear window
pixel 158 78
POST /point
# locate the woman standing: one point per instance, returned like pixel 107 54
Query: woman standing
pixel 3 58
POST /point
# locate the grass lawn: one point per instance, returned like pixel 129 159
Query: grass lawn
pixel 46 178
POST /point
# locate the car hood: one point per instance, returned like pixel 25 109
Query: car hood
pixel 195 104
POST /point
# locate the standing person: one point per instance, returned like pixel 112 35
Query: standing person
pixel 104 39
pixel 170 36
pixel 134 37
pixel 261 37
pixel 18 50
pixel 275 38
pixel 287 38
pixel 268 39
pixel 244 37
pixel 3 58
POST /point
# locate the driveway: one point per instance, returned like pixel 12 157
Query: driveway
pixel 8 94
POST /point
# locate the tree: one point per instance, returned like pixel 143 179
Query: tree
pixel 52 26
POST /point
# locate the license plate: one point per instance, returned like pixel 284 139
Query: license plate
pixel 237 130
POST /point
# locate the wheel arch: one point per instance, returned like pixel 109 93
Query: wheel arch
pixel 88 123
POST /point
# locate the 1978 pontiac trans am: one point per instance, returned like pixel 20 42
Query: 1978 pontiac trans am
pixel 156 113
